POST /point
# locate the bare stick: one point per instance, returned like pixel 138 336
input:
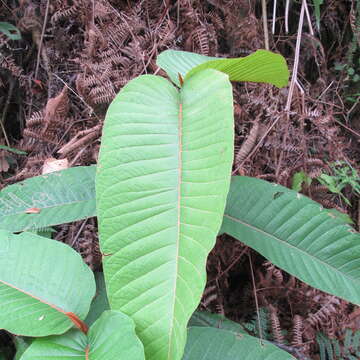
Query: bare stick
pixel 42 38
pixel 309 19
pixel 274 17
pixel 287 16
pixel 266 31
pixel 296 60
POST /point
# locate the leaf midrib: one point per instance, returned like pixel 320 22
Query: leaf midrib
pixel 180 120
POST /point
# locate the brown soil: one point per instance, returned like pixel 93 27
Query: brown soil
pixel 75 56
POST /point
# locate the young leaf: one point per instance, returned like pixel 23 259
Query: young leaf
pixel 208 343
pixel 317 4
pixel 39 294
pixel 60 197
pixel 299 179
pixel 161 186
pixel 111 337
pixel 262 66
pixel 296 234
pixel 15 151
pixel 11 31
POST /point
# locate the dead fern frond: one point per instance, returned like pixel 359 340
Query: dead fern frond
pixel 274 273
pixel 56 108
pixel 297 331
pixel 71 11
pixel 209 297
pixel 324 314
pixel 248 144
pixel 215 19
pixel 36 119
pixel 88 246
pixel 275 326
pixel 8 63
pixel 200 41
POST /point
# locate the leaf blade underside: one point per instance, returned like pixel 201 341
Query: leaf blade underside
pixel 60 197
pixel 39 294
pixel 161 190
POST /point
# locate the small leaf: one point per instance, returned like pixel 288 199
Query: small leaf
pixel 39 294
pixel 111 337
pixel 330 182
pixel 15 151
pixel 299 179
pixel 317 4
pixel 262 66
pixel 62 196
pixel 207 343
pixel 11 31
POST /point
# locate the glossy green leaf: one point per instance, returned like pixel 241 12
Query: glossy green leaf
pixel 11 31
pixel 262 66
pixel 39 292
pixel 296 234
pixel 208 343
pixel 161 187
pixel 59 197
pixel 111 337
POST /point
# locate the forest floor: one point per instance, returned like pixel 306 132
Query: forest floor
pixel 75 55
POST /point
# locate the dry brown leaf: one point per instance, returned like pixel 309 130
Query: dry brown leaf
pixel 51 165
pixel 57 106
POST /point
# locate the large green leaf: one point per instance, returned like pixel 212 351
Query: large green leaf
pixel 162 181
pixel 111 337
pixel 296 234
pixel 45 287
pixel 50 199
pixel 208 343
pixel 262 66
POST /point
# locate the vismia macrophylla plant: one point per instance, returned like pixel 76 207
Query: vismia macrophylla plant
pixel 162 186
pixel 162 180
